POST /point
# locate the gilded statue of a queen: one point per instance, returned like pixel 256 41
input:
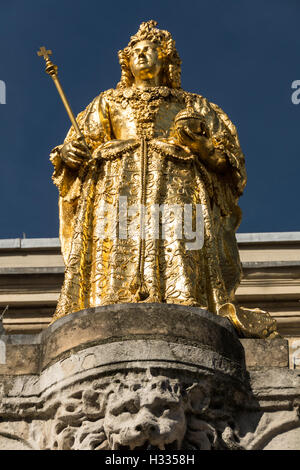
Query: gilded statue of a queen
pixel 153 145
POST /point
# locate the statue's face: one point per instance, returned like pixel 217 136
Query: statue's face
pixel 145 61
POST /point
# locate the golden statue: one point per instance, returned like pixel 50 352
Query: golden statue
pixel 152 144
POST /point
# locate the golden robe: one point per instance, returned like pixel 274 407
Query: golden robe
pixel 128 131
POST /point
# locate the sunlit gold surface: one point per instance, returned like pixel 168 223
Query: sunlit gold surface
pixel 156 144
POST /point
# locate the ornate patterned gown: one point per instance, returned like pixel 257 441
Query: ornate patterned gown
pixel 128 131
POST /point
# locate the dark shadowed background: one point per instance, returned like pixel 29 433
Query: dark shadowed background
pixel 242 55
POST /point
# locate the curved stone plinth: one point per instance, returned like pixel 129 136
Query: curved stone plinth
pixel 134 376
pixel 189 326
pixel 141 376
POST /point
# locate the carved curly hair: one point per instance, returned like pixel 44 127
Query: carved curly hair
pixel 171 60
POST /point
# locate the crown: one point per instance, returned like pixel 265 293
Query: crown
pixel 148 31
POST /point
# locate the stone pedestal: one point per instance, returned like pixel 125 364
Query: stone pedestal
pixel 144 376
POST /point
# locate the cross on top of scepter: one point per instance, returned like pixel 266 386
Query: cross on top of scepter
pixel 43 52
pixel 51 69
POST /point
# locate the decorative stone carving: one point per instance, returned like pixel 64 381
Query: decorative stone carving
pixel 142 410
pixel 136 409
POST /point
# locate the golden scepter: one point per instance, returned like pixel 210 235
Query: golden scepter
pixel 51 69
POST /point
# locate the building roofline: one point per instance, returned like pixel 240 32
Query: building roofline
pixel 268 237
pixel 242 238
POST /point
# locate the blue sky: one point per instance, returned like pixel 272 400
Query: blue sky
pixel 242 55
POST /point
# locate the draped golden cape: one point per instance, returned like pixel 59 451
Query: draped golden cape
pixel 128 131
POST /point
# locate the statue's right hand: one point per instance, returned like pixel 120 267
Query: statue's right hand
pixel 74 153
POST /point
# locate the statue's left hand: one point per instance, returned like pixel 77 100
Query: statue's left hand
pixel 194 134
